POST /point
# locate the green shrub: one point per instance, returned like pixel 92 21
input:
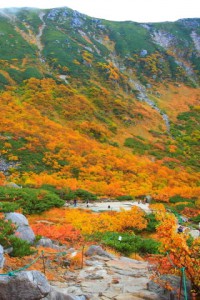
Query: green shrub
pixel 85 195
pixel 152 223
pixel 8 207
pixel 124 198
pixel 68 194
pixel 3 81
pixel 137 145
pixel 20 247
pixel 31 72
pixel 6 230
pixel 178 198
pixel 32 201
pixel 129 243
pixel 180 207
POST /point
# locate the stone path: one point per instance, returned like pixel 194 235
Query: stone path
pixel 116 206
pixel 104 278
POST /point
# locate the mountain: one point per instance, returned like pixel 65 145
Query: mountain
pixel 110 107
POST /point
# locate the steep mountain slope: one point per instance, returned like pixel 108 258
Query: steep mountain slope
pixel 79 95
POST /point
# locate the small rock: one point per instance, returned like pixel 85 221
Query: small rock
pixel 143 53
pixel 115 280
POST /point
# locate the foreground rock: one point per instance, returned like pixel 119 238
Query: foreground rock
pixel 27 285
pixel 23 231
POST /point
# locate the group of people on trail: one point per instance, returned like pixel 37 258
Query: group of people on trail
pixel 75 203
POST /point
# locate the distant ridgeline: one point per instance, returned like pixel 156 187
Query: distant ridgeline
pixel 108 107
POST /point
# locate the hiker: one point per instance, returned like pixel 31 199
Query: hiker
pixel 75 202
pixel 180 229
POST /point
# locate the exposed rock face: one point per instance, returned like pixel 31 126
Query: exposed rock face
pixel 27 285
pixel 142 96
pixel 164 39
pixel 23 231
pixel 196 39
pixel 2 259
pixel 5 166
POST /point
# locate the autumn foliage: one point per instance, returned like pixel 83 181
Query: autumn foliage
pixel 53 138
pixel 67 225
pixel 177 249
pixel 65 234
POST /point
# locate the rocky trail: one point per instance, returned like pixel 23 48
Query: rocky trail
pixel 103 276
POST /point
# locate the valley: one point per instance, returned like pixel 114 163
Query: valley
pixel 104 115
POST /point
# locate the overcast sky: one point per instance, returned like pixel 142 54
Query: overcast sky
pixel 121 10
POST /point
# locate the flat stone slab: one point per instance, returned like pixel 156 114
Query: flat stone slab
pixel 122 265
pixel 91 287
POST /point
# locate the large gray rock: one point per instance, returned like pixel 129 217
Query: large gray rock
pixel 26 285
pixel 23 230
pixel 2 259
pixel 57 294
pixel 25 233
pixel 97 250
pixel 17 218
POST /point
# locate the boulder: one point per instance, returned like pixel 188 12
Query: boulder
pixel 2 259
pixel 59 294
pixel 48 243
pixel 13 185
pixel 17 218
pixel 25 233
pixel 45 242
pixel 23 230
pixel 26 285
pixel 97 250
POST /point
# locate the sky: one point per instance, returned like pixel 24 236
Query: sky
pixel 120 10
